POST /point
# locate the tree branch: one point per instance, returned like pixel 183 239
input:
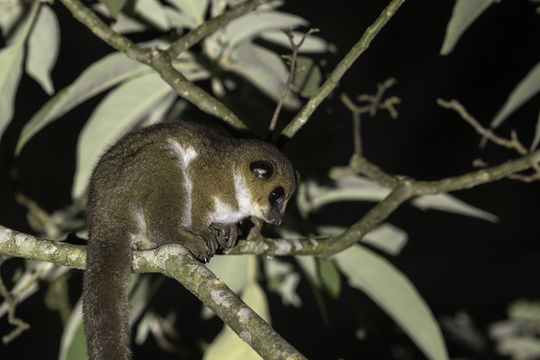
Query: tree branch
pixel 160 61
pixel 333 79
pixel 210 26
pixel 176 262
pixel 402 190
pixel 292 73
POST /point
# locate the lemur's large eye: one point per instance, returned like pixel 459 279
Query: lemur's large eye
pixel 276 195
pixel 262 169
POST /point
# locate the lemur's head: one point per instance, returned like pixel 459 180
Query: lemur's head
pixel 270 178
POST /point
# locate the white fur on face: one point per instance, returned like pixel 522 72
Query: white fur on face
pixel 185 155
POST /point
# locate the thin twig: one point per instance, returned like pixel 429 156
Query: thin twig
pixel 160 61
pixel 513 144
pixel 356 117
pixel 208 27
pixel 374 103
pixel 292 73
pixel 20 325
pixel 333 79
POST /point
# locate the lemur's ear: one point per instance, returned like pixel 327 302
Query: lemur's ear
pixel 262 169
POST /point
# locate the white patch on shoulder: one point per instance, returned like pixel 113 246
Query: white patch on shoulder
pixel 184 155
pixel 226 214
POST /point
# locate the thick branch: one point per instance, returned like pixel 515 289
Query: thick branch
pixel 302 117
pixel 160 61
pixel 27 246
pixel 173 261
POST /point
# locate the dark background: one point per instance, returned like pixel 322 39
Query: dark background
pixel 457 263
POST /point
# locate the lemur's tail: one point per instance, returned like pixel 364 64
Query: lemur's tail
pixel 105 301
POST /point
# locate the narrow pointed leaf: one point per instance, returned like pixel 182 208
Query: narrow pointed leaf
pixel 152 10
pixel 43 46
pixel 264 69
pixel 396 295
pixel 448 203
pixel 114 6
pixel 73 340
pixel 312 44
pixel 116 114
pixel 252 24
pixel 355 188
pixel 386 237
pixel 536 139
pixel 10 14
pixel 329 277
pixel 100 76
pixel 527 88
pixel 196 9
pixel 11 59
pixel 464 14
pixel 308 79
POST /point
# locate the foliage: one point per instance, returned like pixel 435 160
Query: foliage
pixel 247 50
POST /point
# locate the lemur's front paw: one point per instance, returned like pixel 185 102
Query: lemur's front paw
pixel 225 234
pixel 201 252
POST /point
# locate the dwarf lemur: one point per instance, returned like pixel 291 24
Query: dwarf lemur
pixel 170 183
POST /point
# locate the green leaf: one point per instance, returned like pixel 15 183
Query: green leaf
pixel 179 20
pixel 224 42
pixel 536 139
pixel 308 78
pixel 283 280
pixel 227 345
pixel 114 6
pixel 11 60
pixel 309 268
pixel 152 11
pixel 329 277
pixel 312 44
pixel 356 188
pixel 387 238
pixel 396 295
pixel 464 14
pixel 527 88
pixel 141 293
pixel 43 45
pixel 448 203
pixel 10 13
pixel 196 9
pixel 73 341
pixel 100 76
pixel 252 24
pixel 264 69
pixel 121 109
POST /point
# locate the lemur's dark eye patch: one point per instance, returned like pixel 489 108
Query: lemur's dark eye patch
pixel 276 195
pixel 262 169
